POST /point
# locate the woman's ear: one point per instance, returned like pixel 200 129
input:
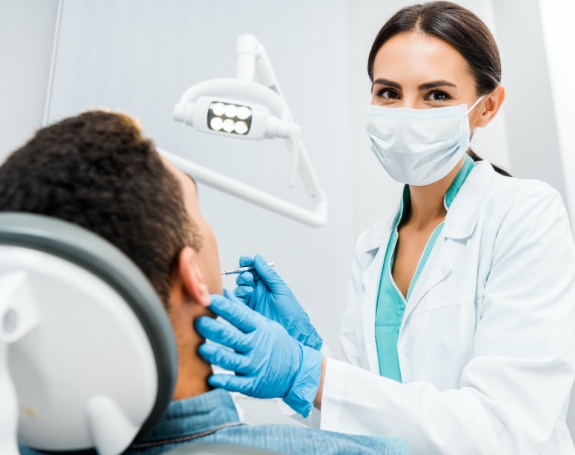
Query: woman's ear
pixel 192 279
pixel 490 106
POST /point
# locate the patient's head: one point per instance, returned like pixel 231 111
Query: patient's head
pixel 98 171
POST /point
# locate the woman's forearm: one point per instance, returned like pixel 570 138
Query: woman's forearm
pixel 317 402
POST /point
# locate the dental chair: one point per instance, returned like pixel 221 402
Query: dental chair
pixel 87 354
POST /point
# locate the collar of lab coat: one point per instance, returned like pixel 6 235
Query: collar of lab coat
pixel 462 216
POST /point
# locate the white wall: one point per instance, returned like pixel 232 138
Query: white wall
pixel 557 26
pixel 26 37
pixel 532 135
pixel 559 36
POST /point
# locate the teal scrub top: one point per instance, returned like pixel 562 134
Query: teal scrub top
pixel 390 300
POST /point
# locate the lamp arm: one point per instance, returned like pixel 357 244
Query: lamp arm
pixel 315 218
pixel 251 57
pixel 252 60
pixel 246 55
pixel 308 174
pixel 265 72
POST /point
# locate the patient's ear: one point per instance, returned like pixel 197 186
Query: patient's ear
pixel 192 279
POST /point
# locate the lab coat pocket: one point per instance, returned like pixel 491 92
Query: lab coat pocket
pixel 442 341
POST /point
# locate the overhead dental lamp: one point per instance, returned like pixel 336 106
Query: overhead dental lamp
pixel 249 106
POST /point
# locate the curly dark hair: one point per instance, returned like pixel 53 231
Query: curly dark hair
pixel 98 171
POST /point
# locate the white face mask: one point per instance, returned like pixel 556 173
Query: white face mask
pixel 419 146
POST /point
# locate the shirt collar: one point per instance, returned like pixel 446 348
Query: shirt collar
pixel 454 188
pixel 195 415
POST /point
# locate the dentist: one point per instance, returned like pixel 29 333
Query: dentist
pixel 459 330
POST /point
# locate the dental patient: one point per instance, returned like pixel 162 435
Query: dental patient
pixel 97 170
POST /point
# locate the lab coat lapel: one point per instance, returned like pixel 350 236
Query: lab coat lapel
pixel 460 224
pixel 436 269
pixel 370 280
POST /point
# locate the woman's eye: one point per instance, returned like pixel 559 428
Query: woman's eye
pixel 438 96
pixel 388 94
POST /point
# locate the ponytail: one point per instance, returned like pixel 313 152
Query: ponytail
pixel 477 158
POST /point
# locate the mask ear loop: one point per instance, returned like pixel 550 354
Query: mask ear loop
pixel 474 104
pixel 471 133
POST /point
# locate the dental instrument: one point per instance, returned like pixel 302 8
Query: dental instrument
pixel 243 269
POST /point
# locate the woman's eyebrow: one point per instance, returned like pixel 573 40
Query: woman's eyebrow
pixel 387 82
pixel 435 84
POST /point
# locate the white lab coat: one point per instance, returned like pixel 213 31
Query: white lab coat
pixel 487 342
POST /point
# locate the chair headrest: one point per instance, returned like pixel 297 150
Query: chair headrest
pixel 56 255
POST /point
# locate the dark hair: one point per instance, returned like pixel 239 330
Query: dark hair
pixel 459 28
pixel 98 171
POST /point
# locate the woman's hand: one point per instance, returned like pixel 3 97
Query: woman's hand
pixel 264 291
pixel 267 361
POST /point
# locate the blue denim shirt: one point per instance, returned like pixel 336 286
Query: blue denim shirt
pixel 212 417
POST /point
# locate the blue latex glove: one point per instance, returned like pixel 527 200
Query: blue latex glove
pixel 267 361
pixel 265 292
